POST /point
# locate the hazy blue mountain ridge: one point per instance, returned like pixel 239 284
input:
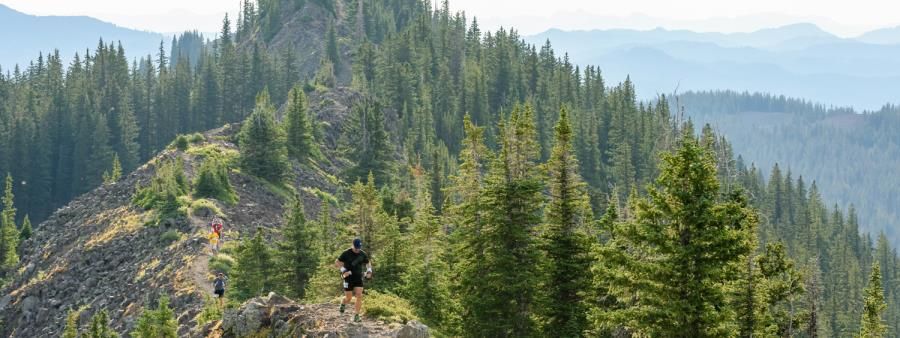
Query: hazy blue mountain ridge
pixel 24 36
pixel 799 60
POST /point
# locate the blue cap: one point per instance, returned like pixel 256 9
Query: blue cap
pixel 357 243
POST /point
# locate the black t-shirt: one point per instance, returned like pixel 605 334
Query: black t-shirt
pixel 355 263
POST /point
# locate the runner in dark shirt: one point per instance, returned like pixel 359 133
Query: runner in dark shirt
pixel 351 263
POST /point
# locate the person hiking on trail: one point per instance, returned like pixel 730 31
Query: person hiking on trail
pixel 214 242
pixel 351 263
pixel 219 287
pixel 217 226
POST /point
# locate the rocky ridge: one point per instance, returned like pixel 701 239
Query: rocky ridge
pixel 97 253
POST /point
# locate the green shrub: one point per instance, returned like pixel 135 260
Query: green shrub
pixel 204 207
pixel 169 237
pixel 195 138
pixel 164 192
pixel 227 156
pixel 388 307
pixel 182 143
pixel 212 182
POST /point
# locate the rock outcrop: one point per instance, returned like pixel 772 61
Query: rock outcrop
pixel 277 316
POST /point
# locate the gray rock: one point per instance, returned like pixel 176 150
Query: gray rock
pixel 4 302
pixel 413 329
pixel 246 320
pixel 29 304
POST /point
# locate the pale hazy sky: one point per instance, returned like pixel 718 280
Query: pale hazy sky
pixel 846 18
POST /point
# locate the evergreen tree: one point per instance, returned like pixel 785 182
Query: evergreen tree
pixel 212 181
pixel 366 142
pixel 873 325
pixel 253 272
pixel 26 231
pixel 300 143
pixel 747 298
pixel 425 283
pixel 379 232
pixel 9 235
pixel 564 239
pixel 157 323
pixel 71 329
pixel 500 285
pixel 678 253
pixel 782 285
pixel 262 143
pixel 110 177
pixel 332 50
pixel 296 255
pixel 100 326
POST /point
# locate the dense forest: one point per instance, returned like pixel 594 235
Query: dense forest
pixel 852 155
pixel 501 190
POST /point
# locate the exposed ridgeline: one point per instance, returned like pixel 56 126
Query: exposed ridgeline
pixel 852 156
pixel 475 224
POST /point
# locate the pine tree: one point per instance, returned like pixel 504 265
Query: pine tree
pixel 9 235
pixel 262 143
pixel 296 255
pixel 71 329
pixel 781 285
pixel 564 239
pixel 678 253
pixel 332 50
pixel 873 325
pixel 300 143
pixel 814 300
pixel 157 323
pixel 253 273
pixel 747 300
pixel 379 232
pixel 100 326
pixel 425 283
pixel 501 284
pixel 366 142
pixel 26 231
pixel 212 181
pixel 116 173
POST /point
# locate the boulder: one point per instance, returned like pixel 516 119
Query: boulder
pixel 413 329
pixel 246 320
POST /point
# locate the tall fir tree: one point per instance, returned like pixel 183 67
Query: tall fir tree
pixel 9 235
pixel 262 143
pixel 501 285
pixel 782 286
pixel 365 141
pixel 300 143
pixel 425 282
pixel 253 273
pixel 873 325
pixel 684 244
pixel 564 240
pixel 296 255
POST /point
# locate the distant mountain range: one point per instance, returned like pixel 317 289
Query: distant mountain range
pixel 24 36
pixel 799 60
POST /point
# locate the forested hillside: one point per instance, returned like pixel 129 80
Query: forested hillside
pixel 500 190
pixel 852 156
